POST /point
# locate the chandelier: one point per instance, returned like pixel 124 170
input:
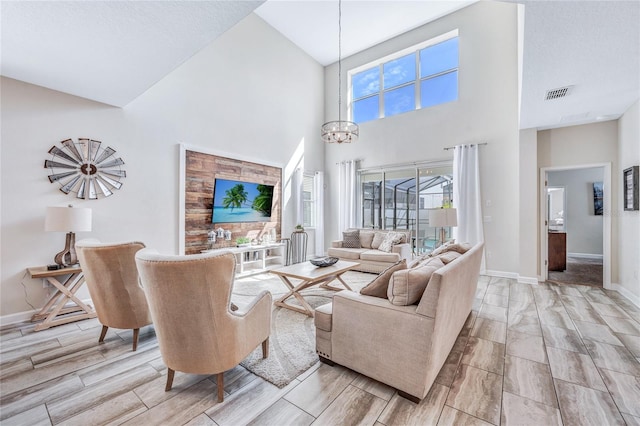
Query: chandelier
pixel 340 131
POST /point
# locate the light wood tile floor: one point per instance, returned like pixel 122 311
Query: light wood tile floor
pixel 542 354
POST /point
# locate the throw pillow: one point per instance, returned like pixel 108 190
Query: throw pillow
pixel 448 257
pixel 406 287
pixel 378 287
pixel 351 239
pixel 391 239
pixel 378 237
pixel 461 248
pixel 366 238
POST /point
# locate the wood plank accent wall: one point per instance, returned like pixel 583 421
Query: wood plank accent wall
pixel 201 171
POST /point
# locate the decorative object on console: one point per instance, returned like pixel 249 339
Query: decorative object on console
pixel 299 246
pixel 243 241
pixel 211 238
pixel 443 218
pixel 85 168
pixel 69 220
pixel 340 131
pixel 324 261
pixel 630 188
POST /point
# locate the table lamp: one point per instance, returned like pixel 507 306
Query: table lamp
pixel 443 218
pixel 69 220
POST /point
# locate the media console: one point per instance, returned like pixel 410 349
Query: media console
pixel 254 259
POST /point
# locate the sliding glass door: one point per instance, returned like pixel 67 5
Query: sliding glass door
pixel 400 198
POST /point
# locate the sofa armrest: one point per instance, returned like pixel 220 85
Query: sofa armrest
pixel 404 250
pixel 336 243
pixel 388 343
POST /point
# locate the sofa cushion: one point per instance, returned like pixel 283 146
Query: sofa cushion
pixel 322 317
pixel 378 238
pixel 345 253
pixel 378 287
pixel 366 238
pixel 379 256
pixel 406 287
pixel 448 256
pixel 391 239
pixel 351 239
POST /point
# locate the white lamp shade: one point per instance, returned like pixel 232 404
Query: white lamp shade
pixel 443 218
pixel 67 219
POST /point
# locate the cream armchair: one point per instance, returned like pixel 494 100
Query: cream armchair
pixel 189 298
pixel 112 278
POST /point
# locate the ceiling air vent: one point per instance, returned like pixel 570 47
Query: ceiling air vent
pixel 558 93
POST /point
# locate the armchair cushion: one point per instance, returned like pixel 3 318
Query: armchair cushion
pixel 378 287
pixel 406 287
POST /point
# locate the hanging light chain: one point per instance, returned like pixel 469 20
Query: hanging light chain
pixel 339 60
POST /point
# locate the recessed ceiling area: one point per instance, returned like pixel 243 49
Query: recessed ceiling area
pixel 108 51
pixel 113 51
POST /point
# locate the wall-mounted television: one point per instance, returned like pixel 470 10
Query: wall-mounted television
pixel 238 201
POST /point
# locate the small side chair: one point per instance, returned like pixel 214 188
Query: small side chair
pixel 190 302
pixel 112 278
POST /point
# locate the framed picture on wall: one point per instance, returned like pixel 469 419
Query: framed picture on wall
pixel 630 188
pixel 597 198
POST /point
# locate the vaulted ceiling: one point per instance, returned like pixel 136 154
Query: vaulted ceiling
pixel 113 51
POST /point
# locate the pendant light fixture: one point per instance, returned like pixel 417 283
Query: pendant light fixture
pixel 340 131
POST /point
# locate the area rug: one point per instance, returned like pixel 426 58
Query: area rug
pixel 293 340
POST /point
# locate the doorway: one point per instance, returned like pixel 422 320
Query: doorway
pixel 575 225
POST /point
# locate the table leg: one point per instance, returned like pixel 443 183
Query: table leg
pixel 294 291
pixel 330 287
pixel 56 305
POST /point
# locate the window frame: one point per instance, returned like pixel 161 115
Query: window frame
pixel 312 203
pixel 417 82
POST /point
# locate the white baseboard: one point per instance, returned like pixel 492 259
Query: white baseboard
pixel 633 298
pixel 25 316
pixel 527 280
pixel 501 274
pixel 586 255
pixel 510 275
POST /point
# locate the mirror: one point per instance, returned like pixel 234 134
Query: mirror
pixel 556 217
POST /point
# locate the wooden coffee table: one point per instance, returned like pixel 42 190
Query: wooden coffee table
pixel 310 275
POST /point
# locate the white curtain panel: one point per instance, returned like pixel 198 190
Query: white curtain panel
pixel 347 193
pixel 296 190
pixel 318 182
pixel 466 194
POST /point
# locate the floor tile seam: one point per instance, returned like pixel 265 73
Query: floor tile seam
pixel 610 393
pixel 337 396
pixel 469 414
pixel 548 365
pixel 161 375
pixel 64 419
pixel 332 400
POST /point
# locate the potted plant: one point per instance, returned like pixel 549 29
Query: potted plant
pixel 243 241
pixel 299 228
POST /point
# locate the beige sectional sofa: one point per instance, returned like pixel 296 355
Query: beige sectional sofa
pixel 404 346
pixel 369 254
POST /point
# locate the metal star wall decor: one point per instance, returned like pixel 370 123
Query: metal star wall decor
pixel 85 168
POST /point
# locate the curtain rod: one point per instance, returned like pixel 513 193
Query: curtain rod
pixel 472 144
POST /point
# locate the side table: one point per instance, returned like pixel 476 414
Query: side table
pixel 54 311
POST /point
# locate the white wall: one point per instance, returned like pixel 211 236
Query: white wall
pixel 250 94
pixel 628 221
pixel 586 144
pixel 528 192
pixel 583 227
pixel 486 111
